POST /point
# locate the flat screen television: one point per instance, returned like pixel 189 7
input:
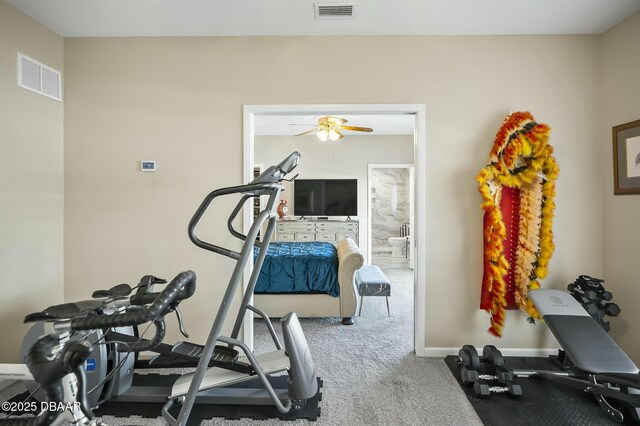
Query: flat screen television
pixel 325 197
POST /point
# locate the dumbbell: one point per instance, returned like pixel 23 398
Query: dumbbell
pixel 587 278
pixel 470 359
pixel 588 295
pixel 578 291
pixel 612 309
pixel 492 355
pixel 591 308
pixel 483 390
pixel 592 284
pixel 468 376
pixel 606 295
pixel 472 376
pixel 468 356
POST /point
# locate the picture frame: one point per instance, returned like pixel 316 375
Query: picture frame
pixel 626 158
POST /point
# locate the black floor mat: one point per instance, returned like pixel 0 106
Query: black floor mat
pixel 542 402
pixel 310 411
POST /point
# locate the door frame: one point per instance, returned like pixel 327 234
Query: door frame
pixel 419 157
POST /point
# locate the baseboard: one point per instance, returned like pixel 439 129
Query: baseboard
pixel 442 352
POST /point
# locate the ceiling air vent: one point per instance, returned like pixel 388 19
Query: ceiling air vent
pixel 334 10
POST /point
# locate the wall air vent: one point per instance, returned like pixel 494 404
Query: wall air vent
pixel 334 10
pixel 39 78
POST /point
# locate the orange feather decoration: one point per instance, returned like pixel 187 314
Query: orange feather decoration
pixel 517 189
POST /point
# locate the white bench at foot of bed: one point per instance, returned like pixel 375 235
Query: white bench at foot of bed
pixel 350 259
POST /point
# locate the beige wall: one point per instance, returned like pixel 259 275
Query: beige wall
pixel 621 104
pixel 347 159
pixel 179 101
pixel 31 181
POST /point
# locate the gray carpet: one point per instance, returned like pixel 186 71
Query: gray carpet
pixel 371 376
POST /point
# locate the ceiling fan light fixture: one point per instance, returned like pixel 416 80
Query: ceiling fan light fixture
pixel 330 128
pixel 323 135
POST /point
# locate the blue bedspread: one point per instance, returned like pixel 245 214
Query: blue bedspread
pixel 310 267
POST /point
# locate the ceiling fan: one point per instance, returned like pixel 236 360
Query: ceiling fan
pixel 329 128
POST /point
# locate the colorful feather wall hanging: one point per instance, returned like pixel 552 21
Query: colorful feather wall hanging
pixel 518 190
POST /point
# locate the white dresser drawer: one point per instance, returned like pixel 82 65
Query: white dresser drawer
pixel 325 236
pixel 299 228
pixel 303 236
pixel 337 225
pixel 284 224
pixel 285 237
pixel 352 235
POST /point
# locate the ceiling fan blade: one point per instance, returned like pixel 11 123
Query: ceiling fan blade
pixel 357 129
pixel 307 132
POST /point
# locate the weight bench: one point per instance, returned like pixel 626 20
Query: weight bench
pixel 600 366
pixel 370 281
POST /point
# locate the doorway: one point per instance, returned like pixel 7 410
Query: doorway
pixel 419 147
pixel 391 215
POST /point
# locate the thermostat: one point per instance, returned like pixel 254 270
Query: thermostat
pixel 147 166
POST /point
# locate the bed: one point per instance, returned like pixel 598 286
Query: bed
pixel 303 278
pixel 299 267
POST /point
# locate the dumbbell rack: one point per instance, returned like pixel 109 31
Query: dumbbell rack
pixel 591 294
pixel 487 373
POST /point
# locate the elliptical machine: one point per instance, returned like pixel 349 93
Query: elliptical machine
pixel 223 360
pixel 207 383
pixel 57 360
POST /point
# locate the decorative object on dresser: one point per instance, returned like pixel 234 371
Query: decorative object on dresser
pixel 318 305
pixel 317 230
pixel 282 210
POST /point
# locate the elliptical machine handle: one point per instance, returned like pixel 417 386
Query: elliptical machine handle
pixel 252 189
pixel 266 183
pixel 142 297
pixel 288 164
pixel 182 286
pixel 276 173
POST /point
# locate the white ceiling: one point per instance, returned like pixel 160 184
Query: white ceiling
pixel 115 18
pixel 281 125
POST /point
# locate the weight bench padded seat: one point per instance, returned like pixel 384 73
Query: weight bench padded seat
pixel 586 343
pixel 370 281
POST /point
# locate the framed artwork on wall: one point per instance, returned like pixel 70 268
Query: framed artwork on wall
pixel 626 158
